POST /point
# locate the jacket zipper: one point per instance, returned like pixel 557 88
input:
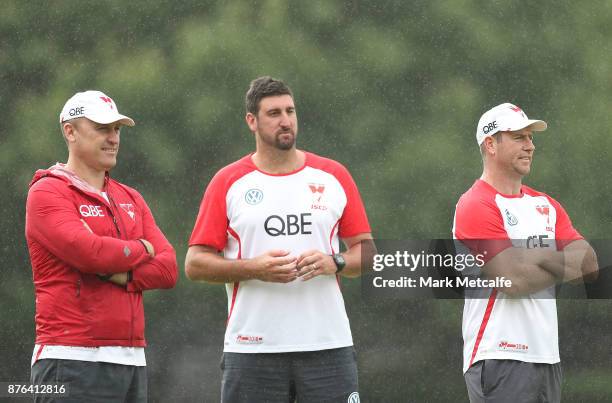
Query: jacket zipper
pixel 78 288
pixel 113 208
pixel 112 213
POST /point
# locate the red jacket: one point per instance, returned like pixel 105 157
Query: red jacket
pixel 73 306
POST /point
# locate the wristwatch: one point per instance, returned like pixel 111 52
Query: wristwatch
pixel 339 261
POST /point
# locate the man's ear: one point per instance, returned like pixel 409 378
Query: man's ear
pixel 490 146
pixel 68 130
pixel 251 121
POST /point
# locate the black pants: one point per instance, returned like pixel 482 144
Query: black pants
pixel 312 376
pixel 91 381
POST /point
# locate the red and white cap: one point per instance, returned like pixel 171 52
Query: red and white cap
pixel 505 118
pixel 95 106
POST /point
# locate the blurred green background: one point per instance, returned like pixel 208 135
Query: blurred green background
pixel 391 89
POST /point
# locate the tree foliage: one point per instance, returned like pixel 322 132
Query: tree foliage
pixel 392 89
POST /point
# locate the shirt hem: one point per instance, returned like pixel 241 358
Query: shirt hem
pixel 253 349
pixel 516 357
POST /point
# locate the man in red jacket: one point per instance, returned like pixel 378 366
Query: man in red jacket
pixel 94 248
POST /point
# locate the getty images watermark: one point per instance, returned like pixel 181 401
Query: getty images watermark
pixel 405 260
pixel 447 268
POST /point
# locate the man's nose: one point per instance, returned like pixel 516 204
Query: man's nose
pixel 113 136
pixel 285 120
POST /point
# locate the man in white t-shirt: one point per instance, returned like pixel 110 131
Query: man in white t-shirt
pixel 511 351
pixel 277 216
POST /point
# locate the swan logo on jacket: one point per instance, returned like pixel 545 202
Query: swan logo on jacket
pixel 129 209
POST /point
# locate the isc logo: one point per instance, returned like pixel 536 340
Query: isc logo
pixel 87 210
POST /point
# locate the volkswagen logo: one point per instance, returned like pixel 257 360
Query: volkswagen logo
pixel 253 196
pixel 354 398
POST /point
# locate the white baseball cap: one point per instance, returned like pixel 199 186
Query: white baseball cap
pixel 95 106
pixel 505 118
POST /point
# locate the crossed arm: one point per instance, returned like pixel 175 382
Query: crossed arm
pixel 531 270
pixel 54 223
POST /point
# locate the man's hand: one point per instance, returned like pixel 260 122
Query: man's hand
pixel 315 263
pixel 581 261
pixel 148 246
pixel 274 266
pixel 119 279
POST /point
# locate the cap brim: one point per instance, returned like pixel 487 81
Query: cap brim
pixel 537 125
pixel 106 119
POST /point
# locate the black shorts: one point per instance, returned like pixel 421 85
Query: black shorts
pixel 501 381
pixel 311 376
pixel 92 381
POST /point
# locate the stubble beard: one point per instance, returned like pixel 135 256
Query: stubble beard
pixel 284 145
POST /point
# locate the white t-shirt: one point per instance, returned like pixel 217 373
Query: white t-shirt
pixel 246 212
pixel 496 326
pixel 113 354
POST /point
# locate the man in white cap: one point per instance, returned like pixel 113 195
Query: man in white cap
pixel 94 248
pixel 511 351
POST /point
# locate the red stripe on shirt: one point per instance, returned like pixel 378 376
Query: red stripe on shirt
pixel 40 349
pixel 331 237
pixel 234 293
pixel 483 325
pixel 236 284
pixel 331 247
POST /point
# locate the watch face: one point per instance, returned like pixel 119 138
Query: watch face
pixel 339 260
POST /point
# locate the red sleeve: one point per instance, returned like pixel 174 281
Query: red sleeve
pixel 354 220
pixel 161 271
pixel 211 224
pixel 52 221
pixel 565 233
pixel 480 226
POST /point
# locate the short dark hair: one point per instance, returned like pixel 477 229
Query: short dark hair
pixel 262 87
